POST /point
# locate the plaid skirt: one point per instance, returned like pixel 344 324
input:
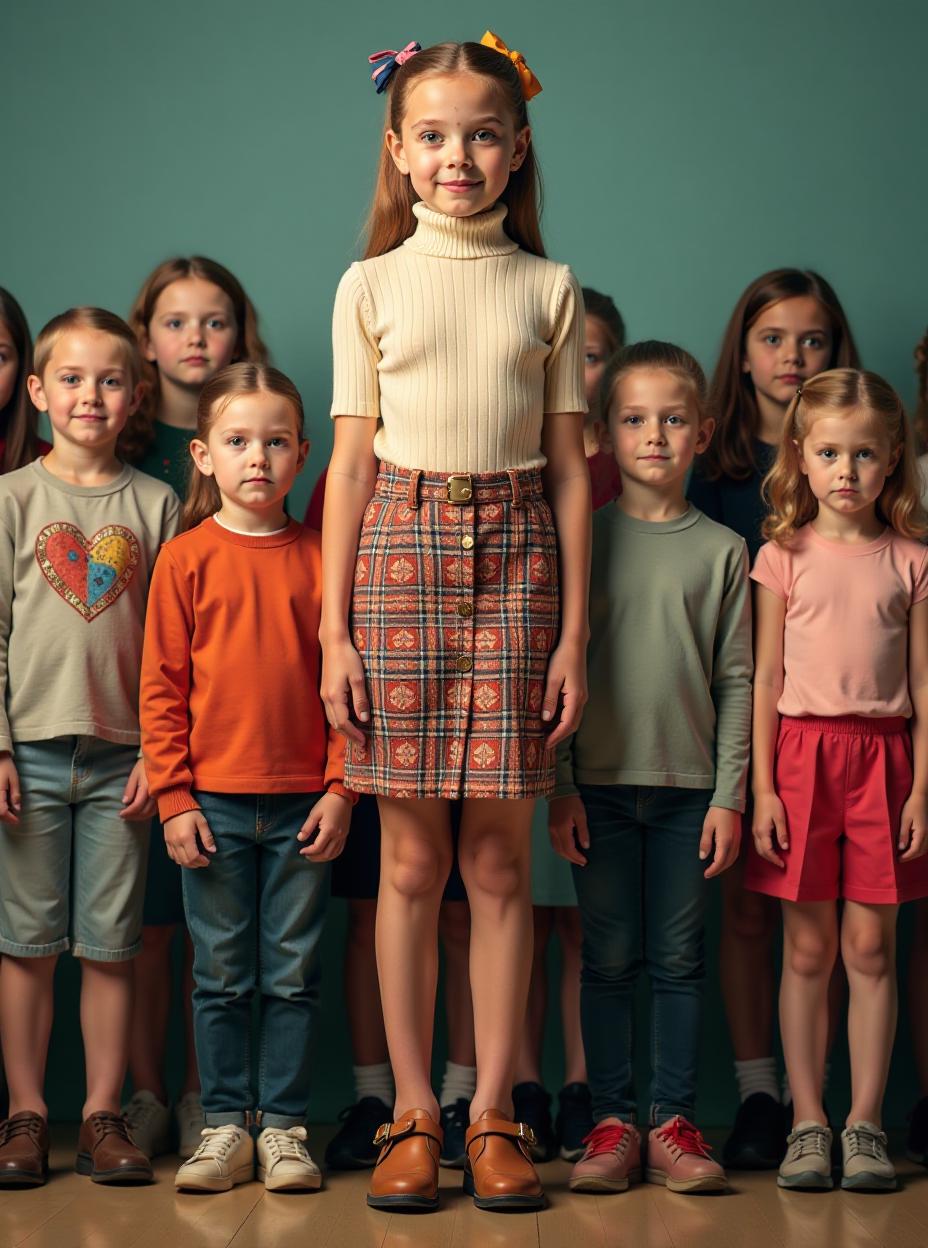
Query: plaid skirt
pixel 454 614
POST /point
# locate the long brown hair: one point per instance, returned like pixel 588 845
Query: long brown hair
pixel 248 377
pixel 653 354
pixel 391 220
pixel 786 488
pixel 248 346
pixel 18 418
pixel 734 401
pixel 921 402
pixel 100 321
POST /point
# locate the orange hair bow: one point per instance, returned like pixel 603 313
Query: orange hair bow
pixel 530 84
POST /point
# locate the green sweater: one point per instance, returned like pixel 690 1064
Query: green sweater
pixel 669 660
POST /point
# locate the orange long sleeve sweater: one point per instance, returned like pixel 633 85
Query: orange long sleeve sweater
pixel 229 698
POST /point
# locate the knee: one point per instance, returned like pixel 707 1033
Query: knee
pixel 454 925
pixel 418 869
pixel 494 869
pixel 810 953
pixel 865 951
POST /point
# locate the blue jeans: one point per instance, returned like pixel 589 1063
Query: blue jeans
pixel 642 904
pixel 255 916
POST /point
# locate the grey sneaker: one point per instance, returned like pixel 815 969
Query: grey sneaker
pixel 149 1124
pixel 807 1163
pixel 867 1166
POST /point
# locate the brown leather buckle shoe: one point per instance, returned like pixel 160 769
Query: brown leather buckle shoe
pixel 406 1171
pixel 24 1150
pixel 499 1174
pixel 105 1151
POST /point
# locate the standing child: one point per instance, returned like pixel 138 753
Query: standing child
pixel 652 785
pixel 449 650
pixel 787 326
pixel 840 708
pixel 19 442
pixel 245 771
pixel 79 533
pixel 192 318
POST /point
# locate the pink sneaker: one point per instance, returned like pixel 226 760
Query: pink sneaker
pixel 612 1159
pixel 679 1158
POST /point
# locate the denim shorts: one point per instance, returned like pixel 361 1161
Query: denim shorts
pixel 72 873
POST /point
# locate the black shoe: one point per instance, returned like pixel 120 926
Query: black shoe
pixel 758 1138
pixel 353 1147
pixel 532 1105
pixel 574 1119
pixel 455 1119
pixel 916 1146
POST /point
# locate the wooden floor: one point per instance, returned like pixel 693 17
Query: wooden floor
pixel 71 1212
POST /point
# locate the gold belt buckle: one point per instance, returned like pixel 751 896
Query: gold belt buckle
pixel 460 488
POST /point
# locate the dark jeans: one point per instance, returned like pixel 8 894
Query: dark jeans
pixel 255 916
pixel 642 904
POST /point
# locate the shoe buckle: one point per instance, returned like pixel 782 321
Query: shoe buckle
pixel 527 1134
pixel 460 488
pixel 383 1134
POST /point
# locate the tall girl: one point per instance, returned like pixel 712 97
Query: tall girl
pixel 79 534
pixel 191 317
pixel 450 648
pixel 20 444
pixel 840 713
pixel 245 771
pixel 787 326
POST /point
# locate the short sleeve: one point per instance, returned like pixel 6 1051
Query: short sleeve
pixel 920 579
pixel 565 388
pixel 773 570
pixel 355 351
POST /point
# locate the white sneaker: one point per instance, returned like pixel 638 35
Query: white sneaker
pixel 866 1162
pixel 225 1157
pixel 149 1123
pixel 284 1162
pixel 188 1114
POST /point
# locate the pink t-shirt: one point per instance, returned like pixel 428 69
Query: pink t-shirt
pixel 845 647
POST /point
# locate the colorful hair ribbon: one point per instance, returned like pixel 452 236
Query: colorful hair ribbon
pixel 530 84
pixel 388 62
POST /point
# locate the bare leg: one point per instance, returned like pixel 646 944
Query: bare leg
pixel 152 973
pixel 868 944
pixel 567 925
pixel 362 990
pixel 192 1074
pixel 810 946
pixel 415 859
pixel 106 1021
pixel 749 927
pixel 528 1065
pixel 26 1006
pixel 494 851
pixel 918 997
pixel 454 929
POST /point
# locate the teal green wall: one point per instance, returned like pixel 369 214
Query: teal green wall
pixel 685 147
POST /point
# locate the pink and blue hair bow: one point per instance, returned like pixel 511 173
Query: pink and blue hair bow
pixel 387 63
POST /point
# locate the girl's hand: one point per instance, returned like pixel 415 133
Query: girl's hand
pixel 568 828
pixel 721 831
pixel 769 828
pixel 327 827
pixel 343 689
pixel 913 827
pixel 567 681
pixel 137 802
pixel 187 836
pixel 10 796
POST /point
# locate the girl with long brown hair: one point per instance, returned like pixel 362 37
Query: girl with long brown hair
pixel 453 661
pixel 19 442
pixel 840 745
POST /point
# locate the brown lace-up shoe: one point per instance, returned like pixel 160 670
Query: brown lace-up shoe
pixel 23 1151
pixel 499 1173
pixel 406 1171
pixel 105 1151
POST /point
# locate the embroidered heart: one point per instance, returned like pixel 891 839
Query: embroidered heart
pixel 90 575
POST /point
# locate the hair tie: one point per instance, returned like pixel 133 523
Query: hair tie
pixel 530 84
pixel 389 63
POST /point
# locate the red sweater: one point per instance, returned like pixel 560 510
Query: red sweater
pixel 229 699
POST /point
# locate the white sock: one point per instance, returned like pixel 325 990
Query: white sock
pixel 787 1094
pixel 458 1082
pixel 757 1075
pixel 376 1080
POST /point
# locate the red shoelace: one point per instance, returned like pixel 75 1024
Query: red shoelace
pixel 683 1135
pixel 604 1138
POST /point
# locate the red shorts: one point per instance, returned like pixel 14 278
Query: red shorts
pixel 843 783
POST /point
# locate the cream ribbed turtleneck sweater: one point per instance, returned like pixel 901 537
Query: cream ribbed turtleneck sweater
pixel 458 343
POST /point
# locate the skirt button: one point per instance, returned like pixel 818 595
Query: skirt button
pixel 464 662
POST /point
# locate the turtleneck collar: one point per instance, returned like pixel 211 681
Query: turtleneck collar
pixel 460 238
